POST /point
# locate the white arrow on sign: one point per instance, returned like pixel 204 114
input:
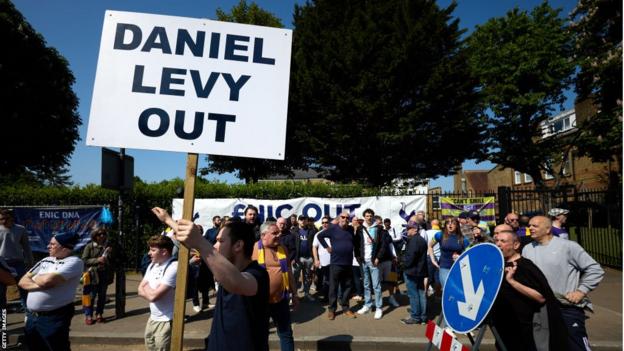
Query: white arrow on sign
pixel 470 307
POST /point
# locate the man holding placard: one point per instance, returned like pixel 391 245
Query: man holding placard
pixel 241 317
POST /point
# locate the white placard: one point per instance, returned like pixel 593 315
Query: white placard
pixel 191 85
pixel 393 207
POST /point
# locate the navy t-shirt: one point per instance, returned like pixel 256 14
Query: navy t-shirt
pixel 341 245
pixel 242 322
pixel 304 248
pixel 448 247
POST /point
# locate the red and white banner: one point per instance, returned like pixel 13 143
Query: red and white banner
pixel 442 339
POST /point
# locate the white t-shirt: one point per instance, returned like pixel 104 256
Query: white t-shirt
pixel 323 255
pixel 428 236
pixel 64 293
pixel 368 246
pixel 394 234
pixel 161 310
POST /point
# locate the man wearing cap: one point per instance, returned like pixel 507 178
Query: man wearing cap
pixel 465 228
pixel 474 220
pixel 559 216
pixel 571 273
pixel 414 273
pixel 51 286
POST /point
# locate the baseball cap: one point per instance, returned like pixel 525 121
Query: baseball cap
pixel 554 212
pixel 474 215
pixel 411 224
pixel 463 215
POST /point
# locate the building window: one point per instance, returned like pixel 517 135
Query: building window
pixel 528 178
pixel 435 202
pixel 517 177
pixel 559 123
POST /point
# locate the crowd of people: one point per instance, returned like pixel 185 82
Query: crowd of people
pixel 261 271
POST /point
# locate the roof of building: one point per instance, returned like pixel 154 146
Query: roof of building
pixel 297 174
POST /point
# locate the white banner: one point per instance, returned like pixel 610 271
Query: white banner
pixel 393 207
pixel 191 85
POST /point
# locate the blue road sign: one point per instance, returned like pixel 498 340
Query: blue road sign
pixel 472 286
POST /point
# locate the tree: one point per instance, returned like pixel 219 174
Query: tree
pixel 597 28
pixel 381 90
pixel 39 117
pixel 251 169
pixel 523 62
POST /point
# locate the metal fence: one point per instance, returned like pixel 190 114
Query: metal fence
pixel 595 219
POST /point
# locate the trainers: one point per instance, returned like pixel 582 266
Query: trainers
pixel 409 321
pixel 196 308
pixel 364 310
pixel 393 301
pixel 357 298
pixel 89 321
pixel 349 314
pixel 331 315
pixel 378 313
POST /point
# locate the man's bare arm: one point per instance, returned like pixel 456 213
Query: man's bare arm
pixel 224 271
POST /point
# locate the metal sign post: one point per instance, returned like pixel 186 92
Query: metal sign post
pixel 467 297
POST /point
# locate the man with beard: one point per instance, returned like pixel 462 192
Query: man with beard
pixel 241 317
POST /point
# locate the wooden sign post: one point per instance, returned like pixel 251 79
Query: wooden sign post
pixel 179 306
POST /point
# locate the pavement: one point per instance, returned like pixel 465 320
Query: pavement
pixel 312 330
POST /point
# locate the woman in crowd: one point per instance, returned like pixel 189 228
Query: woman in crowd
pixel 98 275
pixel 452 244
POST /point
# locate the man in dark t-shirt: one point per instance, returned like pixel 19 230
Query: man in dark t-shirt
pixel 241 318
pixel 341 258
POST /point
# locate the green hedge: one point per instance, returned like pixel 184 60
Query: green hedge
pixel 138 221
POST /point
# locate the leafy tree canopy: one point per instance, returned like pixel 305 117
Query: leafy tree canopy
pixel 381 90
pixel 523 62
pixel 597 27
pixel 250 169
pixel 39 116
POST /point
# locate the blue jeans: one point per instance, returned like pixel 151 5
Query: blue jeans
pixel 371 273
pixel 444 273
pixel 416 294
pixel 280 313
pixel 49 332
pixel 304 267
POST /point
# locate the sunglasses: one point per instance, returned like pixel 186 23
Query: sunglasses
pixel 324 222
pixel 344 217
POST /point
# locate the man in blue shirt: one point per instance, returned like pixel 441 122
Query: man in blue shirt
pixel 342 242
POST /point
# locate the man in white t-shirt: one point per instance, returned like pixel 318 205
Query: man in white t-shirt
pixel 51 286
pixel 158 287
pixel 322 259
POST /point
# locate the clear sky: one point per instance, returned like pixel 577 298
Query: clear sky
pixel 74 28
